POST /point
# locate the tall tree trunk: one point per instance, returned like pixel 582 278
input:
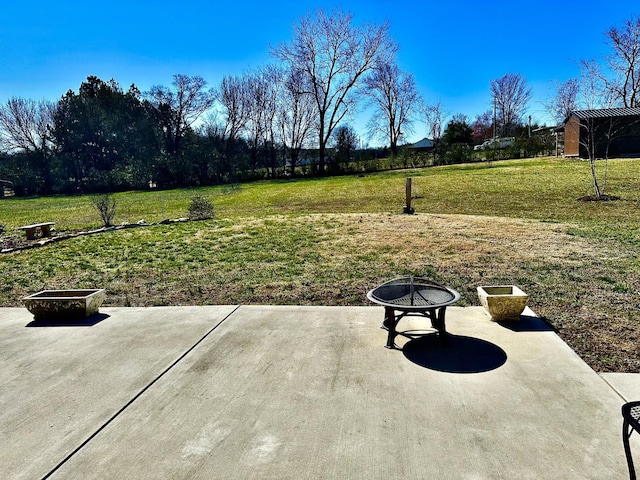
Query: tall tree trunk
pixel 321 155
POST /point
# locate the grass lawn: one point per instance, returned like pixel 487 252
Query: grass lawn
pixel 328 241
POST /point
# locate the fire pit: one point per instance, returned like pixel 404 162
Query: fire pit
pixel 413 296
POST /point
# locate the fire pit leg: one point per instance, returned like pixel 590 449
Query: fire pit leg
pixel 390 323
pixel 437 322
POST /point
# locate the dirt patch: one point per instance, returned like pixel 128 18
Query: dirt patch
pixel 601 198
pixel 463 239
pixel 582 287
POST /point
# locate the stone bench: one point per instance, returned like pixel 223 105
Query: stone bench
pixel 45 229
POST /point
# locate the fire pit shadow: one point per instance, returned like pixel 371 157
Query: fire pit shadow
pixel 461 355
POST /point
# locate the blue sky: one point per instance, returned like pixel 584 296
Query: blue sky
pixel 452 47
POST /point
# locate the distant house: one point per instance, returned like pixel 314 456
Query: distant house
pixel 425 145
pixel 6 188
pixel 613 132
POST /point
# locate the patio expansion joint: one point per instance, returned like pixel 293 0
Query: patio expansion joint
pixel 138 395
pixel 612 387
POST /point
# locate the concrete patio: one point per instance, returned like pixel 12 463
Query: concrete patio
pixel 266 392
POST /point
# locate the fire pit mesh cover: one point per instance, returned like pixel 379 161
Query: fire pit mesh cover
pixel 408 291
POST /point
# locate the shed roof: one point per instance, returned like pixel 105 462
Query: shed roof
pixel 606 113
pixel 426 143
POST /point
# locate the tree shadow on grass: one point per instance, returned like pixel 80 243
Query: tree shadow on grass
pixel 461 354
pixel 68 322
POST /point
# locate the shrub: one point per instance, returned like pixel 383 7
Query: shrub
pixel 200 208
pixel 456 153
pixel 105 204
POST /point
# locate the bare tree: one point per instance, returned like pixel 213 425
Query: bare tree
pixel 296 114
pixel 393 94
pixel 565 101
pixel 621 72
pixel 596 131
pixel 510 96
pixel 105 205
pixel 434 118
pixel 232 97
pixel 334 55
pixel 26 127
pixel 257 101
pixel 251 105
pixel 180 107
pixel 593 93
pixel 272 75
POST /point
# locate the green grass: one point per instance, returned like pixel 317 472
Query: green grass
pixel 543 189
pixel 329 240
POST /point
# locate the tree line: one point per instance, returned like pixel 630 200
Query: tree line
pixel 280 120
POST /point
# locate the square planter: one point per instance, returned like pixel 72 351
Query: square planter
pixel 502 302
pixel 64 304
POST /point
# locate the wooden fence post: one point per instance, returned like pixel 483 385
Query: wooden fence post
pixel 407 207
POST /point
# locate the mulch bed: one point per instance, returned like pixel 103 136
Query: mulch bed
pixel 601 198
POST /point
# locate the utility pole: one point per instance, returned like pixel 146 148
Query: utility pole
pixel 494 117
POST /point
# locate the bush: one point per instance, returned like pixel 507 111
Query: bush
pixel 105 204
pixel 456 153
pixel 200 208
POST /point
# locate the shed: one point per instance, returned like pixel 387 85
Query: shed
pixel 613 132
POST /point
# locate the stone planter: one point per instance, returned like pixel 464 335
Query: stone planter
pixel 64 304
pixel 502 302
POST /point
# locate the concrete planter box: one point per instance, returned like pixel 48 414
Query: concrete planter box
pixel 64 304
pixel 503 302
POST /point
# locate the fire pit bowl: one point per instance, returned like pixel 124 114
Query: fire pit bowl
pixel 64 304
pixel 415 296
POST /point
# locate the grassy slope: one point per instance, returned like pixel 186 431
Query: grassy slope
pixel 282 242
pixel 544 189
